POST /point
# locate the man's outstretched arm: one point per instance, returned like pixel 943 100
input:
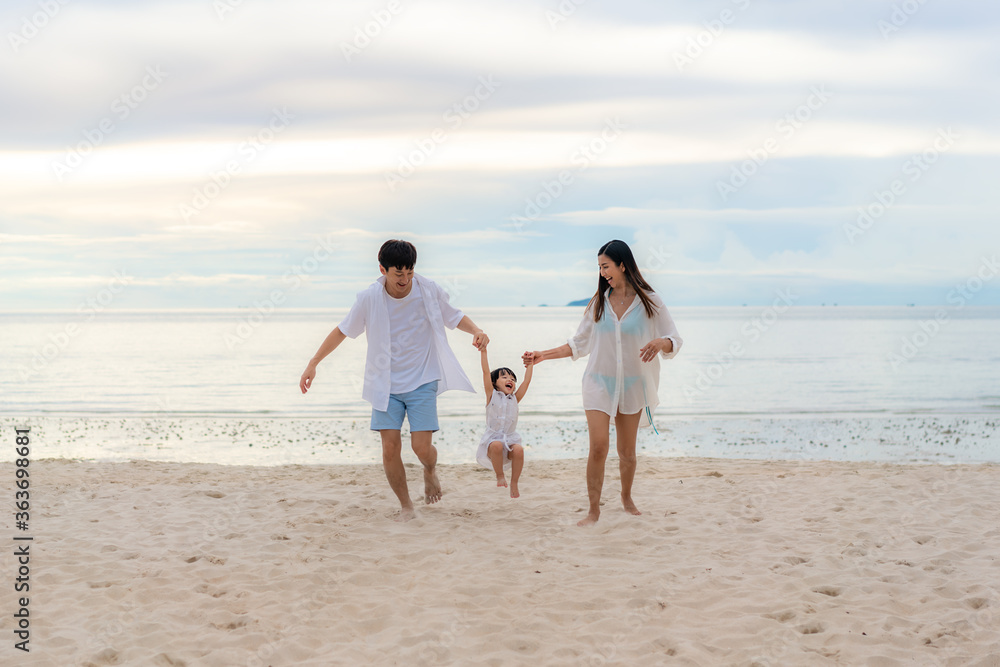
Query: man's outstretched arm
pixel 335 338
pixel 479 338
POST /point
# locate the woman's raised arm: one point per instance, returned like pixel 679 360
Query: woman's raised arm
pixel 561 352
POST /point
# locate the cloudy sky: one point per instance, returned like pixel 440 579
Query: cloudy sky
pixel 217 152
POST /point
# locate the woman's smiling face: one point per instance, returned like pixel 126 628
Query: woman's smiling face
pixel 613 273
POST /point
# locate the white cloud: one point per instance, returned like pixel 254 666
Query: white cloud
pixel 355 121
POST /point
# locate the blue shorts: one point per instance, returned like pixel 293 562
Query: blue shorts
pixel 420 405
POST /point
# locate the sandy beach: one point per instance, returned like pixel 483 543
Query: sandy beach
pixel 734 562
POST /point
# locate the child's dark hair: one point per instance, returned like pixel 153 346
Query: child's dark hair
pixel 495 374
pixel 398 254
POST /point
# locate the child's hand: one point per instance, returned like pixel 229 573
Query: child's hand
pixel 528 358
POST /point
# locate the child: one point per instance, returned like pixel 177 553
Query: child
pixel 500 446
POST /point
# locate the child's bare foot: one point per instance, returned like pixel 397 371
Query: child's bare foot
pixel 432 487
pixel 589 520
pixel 514 493
pixel 630 506
pixel 502 481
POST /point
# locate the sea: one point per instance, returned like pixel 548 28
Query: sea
pixel 755 362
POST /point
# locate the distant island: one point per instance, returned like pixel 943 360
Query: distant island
pixel 579 302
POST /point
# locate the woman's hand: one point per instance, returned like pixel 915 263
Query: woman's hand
pixel 531 358
pixel 305 382
pixel 654 347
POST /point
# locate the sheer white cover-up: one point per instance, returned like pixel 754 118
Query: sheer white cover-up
pixel 501 422
pixel 616 377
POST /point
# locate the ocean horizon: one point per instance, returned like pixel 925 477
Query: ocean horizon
pixel 773 360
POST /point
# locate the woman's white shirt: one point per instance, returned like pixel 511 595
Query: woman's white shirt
pixel 616 378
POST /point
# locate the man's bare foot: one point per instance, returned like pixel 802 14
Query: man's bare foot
pixel 502 481
pixel 406 514
pixel 589 520
pixel 514 493
pixel 630 506
pixel 432 487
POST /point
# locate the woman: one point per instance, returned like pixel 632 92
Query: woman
pixel 624 329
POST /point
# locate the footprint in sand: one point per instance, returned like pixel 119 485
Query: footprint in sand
pixel 108 656
pixel 832 591
pixel 781 616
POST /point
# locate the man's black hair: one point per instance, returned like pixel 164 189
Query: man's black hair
pixel 397 254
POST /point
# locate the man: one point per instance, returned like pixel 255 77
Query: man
pixel 409 362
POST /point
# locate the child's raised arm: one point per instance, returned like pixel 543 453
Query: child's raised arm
pixel 487 381
pixel 523 389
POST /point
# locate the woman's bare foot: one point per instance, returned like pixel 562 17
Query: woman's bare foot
pixel 502 481
pixel 630 506
pixel 514 493
pixel 432 487
pixel 589 520
pixel 406 514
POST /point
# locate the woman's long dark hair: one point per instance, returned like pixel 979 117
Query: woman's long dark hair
pixel 619 253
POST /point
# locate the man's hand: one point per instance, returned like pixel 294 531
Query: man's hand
pixel 305 382
pixel 480 340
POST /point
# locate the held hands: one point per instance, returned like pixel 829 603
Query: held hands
pixel 531 358
pixel 654 347
pixel 480 340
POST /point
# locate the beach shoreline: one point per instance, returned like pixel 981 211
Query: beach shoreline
pixel 269 440
pixel 734 562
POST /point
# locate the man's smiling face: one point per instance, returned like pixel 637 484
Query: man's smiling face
pixel 398 281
